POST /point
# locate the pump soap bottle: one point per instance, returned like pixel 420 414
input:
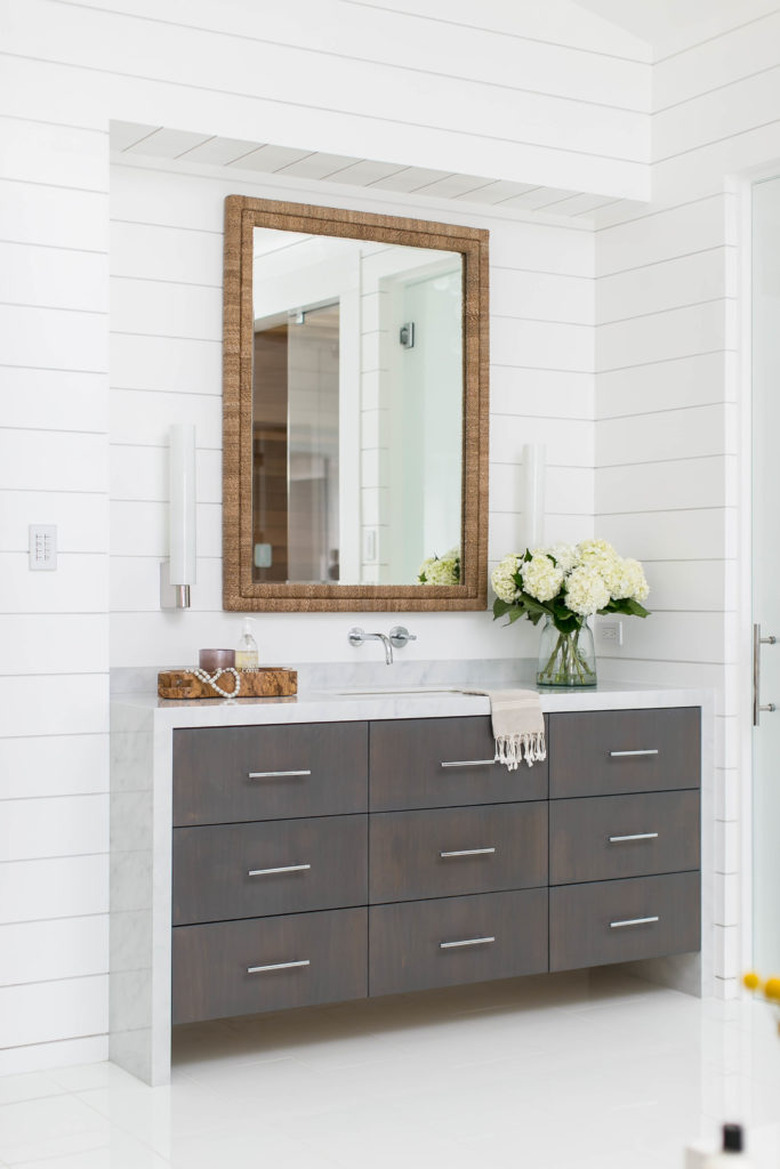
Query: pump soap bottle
pixel 247 657
pixel 732 1155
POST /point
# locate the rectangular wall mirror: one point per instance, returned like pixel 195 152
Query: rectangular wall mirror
pixel 355 431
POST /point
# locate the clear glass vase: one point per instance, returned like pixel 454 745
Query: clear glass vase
pixel 566 659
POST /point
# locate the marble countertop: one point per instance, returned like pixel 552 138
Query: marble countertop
pixel 369 701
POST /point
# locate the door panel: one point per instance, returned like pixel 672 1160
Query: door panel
pixel 766 572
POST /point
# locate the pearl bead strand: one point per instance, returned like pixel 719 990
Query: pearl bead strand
pixel 212 679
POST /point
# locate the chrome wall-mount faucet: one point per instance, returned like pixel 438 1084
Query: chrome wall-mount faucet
pixel 397 637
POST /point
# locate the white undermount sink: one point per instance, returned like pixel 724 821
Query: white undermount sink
pixel 395 691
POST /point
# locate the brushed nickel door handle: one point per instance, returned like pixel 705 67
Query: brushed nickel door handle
pixel 277 966
pixel 619 925
pixel 633 836
pixel 466 942
pixel 467 852
pixel 758 708
pixel 280 869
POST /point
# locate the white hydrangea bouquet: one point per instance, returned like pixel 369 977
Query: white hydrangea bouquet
pixel 441 570
pixel 566 584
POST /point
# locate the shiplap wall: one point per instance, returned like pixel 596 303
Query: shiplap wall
pixel 666 478
pixel 53 626
pixel 716 110
pixel 670 406
pixel 165 367
pixel 425 87
pixel 368 83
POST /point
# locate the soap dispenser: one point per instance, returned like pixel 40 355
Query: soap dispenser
pixel 731 1155
pixel 247 657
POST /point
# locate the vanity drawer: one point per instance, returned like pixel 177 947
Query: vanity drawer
pixel 225 774
pixel 606 752
pixel 443 762
pixel 421 944
pixel 622 921
pixel 605 837
pixel 446 852
pixel 243 967
pixel 279 866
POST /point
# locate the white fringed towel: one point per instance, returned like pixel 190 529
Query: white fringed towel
pixel 518 726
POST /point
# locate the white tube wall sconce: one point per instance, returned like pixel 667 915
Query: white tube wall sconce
pixel 178 572
pixel 534 474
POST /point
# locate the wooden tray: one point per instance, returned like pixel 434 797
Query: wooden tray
pixel 264 682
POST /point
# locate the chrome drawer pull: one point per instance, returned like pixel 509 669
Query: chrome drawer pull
pixel 633 836
pixel 282 869
pixel 466 942
pixel 276 966
pixel 617 925
pixel 467 852
pixel 624 754
pixel 275 774
pixel 469 763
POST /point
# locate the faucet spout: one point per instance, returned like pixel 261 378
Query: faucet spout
pixel 388 647
pixel 357 636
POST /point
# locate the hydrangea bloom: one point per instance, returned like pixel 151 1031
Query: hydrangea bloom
pixel 441 570
pixel 565 585
pixel 542 579
pixel 586 591
pixel 564 555
pixel 599 555
pixel 503 578
pixel 627 579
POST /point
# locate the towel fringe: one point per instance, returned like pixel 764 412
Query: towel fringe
pixel 512 749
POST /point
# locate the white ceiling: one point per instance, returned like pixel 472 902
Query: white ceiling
pixel 137 142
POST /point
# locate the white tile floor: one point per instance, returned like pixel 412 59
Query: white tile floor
pixel 599 1072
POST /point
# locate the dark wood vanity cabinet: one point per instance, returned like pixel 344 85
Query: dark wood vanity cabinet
pixel 624 835
pixel 321 862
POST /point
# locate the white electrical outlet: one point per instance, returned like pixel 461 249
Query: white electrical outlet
pixel 611 632
pixel 43 547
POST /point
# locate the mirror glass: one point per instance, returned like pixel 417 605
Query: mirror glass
pixel 357 387
pixel 354 414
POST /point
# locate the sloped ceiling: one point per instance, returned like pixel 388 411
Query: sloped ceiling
pixel 670 26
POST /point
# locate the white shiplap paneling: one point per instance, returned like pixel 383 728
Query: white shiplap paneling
pixel 163 370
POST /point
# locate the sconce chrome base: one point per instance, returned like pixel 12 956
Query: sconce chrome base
pixel 172 596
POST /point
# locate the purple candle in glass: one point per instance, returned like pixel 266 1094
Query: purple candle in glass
pixel 216 659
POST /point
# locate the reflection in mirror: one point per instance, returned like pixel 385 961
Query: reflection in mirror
pixel 360 429
pixel 372 368
pixel 295 449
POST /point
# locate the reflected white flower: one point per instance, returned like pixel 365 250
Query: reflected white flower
pixel 441 570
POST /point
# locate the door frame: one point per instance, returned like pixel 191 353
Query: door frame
pixel 741 187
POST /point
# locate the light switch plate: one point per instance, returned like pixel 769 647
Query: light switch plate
pixel 43 547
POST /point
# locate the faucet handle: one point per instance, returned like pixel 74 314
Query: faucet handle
pixel 356 635
pixel 399 635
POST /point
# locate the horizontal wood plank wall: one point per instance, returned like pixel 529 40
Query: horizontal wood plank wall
pixel 666 478
pixel 716 109
pixel 54 626
pixel 670 401
pixel 565 105
pixel 409 86
pixel 166 335
pixel 443 93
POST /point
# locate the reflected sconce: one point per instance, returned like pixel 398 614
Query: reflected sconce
pixel 177 573
pixel 534 473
